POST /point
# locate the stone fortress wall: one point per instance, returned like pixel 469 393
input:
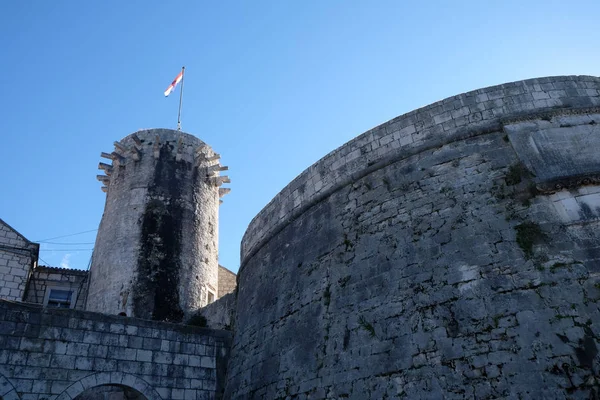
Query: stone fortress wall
pixel 452 252
pixel 157 246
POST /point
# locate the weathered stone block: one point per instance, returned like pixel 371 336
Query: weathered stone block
pixel 144 355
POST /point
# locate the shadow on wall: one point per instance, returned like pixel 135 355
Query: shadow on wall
pixel 111 392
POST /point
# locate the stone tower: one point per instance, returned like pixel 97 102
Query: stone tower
pixel 157 246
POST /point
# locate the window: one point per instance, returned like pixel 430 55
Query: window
pixel 59 298
pixel 211 297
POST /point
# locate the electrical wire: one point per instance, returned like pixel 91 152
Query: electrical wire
pixel 63 243
pixel 90 263
pixel 72 234
pixel 45 262
pixel 66 250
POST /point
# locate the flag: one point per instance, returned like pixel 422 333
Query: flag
pixel 171 87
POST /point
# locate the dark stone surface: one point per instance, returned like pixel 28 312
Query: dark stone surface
pixel 156 291
pixel 82 352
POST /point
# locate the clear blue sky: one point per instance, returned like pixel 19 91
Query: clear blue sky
pixel 271 85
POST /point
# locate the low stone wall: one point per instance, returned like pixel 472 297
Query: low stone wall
pixel 59 354
pixel 221 313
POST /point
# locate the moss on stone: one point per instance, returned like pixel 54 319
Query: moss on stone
pixel 198 320
pixel 366 326
pixel 527 234
pixel 516 173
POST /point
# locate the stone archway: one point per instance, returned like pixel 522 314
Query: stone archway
pixel 138 388
pixel 7 390
pixel 110 392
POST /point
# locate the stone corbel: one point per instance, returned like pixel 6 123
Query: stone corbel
pixel 136 154
pixel 219 180
pixel 137 141
pixel 120 147
pixel 216 167
pixel 103 178
pixel 117 157
pixel 107 168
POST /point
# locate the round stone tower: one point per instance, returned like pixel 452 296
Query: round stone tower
pixel 157 246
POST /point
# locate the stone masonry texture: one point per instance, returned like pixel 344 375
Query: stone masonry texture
pixel 156 251
pixel 221 313
pixel 17 258
pixel 452 252
pixel 227 281
pixel 43 278
pixel 54 354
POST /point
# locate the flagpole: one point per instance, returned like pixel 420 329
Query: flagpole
pixel 180 99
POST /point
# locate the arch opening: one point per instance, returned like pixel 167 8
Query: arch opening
pixel 110 386
pixel 7 390
pixel 111 392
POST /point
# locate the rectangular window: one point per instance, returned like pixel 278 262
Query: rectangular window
pixel 60 298
pixel 211 297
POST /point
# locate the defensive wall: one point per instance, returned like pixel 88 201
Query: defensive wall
pixel 452 252
pixel 56 354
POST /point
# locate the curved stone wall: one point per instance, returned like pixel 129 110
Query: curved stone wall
pixel 157 245
pixel 453 252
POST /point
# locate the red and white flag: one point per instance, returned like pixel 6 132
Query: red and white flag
pixel 171 87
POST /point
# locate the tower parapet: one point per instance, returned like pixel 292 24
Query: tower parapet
pixel 156 253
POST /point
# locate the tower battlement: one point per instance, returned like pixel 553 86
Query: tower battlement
pixel 149 142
